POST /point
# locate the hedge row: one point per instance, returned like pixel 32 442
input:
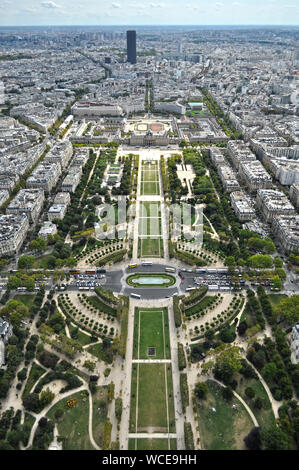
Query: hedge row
pixel 177 312
pixel 181 357
pixel 188 433
pixel 184 391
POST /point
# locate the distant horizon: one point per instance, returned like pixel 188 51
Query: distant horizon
pixel 30 13
pixel 150 25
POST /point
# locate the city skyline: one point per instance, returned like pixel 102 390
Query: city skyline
pixel 167 12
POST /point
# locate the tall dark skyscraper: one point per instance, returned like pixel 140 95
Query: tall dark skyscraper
pixel 131 46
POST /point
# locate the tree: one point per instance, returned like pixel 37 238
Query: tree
pixel 89 365
pixel 274 438
pixel 277 284
pixel 13 283
pixel 288 309
pixel 46 397
pixel 258 403
pixel 249 392
pixel 228 361
pixel 227 393
pixel 26 262
pixel 15 310
pixel 38 245
pixel 58 414
pixel 30 284
pixel 278 263
pixel 253 439
pixel 200 390
pixel 31 402
pixel 269 371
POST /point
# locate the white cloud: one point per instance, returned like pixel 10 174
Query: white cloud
pixel 49 4
pixel 157 5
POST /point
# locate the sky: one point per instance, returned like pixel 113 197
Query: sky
pixel 148 12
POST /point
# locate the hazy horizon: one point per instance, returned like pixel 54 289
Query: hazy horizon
pixel 152 13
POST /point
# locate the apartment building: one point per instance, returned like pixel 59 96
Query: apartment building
pixel 61 153
pixel 4 195
pixel 228 178
pixel 71 180
pixel 294 194
pixel 86 109
pixel 294 344
pixel 28 201
pixel 62 198
pixel 254 175
pixel 273 202
pixel 48 228
pixel 217 157
pixel 57 211
pixel 286 229
pixel 13 231
pixel 242 206
pixel 45 176
pixel 239 152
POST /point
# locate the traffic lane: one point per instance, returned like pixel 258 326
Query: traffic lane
pixel 152 293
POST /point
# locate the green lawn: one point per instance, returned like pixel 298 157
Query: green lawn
pixel 226 428
pixel 81 337
pixel 42 262
pixel 152 444
pixel 74 424
pixel 205 302
pixel 150 247
pixel 149 332
pixel 276 298
pixel 150 188
pixel 265 416
pixel 27 299
pixel 100 410
pixel 97 303
pixel 102 354
pixel 150 209
pixel 152 412
pixel 149 226
pixel 167 280
pixel 35 373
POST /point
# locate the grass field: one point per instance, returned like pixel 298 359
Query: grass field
pixel 150 209
pixel 151 329
pixel 265 416
pixel 150 248
pixel 152 444
pixel 35 373
pixel 152 407
pixel 81 337
pixel 100 411
pixel 150 179
pixel 149 226
pixel 73 426
pixel 150 188
pixel 26 299
pixel 276 298
pixel 226 428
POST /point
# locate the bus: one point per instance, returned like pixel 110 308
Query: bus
pixel 190 288
pixel 90 271
pixel 136 296
pixel 170 270
pixel 131 266
pixel 147 263
pixel 74 271
pixel 101 271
